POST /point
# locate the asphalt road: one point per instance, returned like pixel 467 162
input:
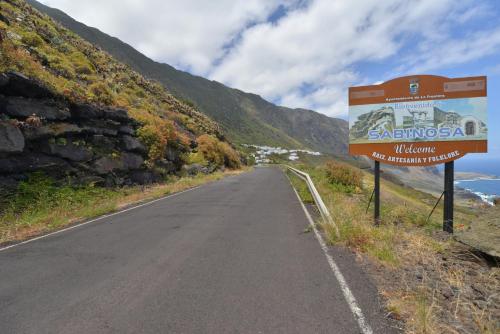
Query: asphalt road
pixel 228 257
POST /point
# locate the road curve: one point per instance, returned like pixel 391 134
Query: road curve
pixel 229 257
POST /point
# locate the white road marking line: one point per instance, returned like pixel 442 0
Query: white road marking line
pixel 349 297
pixel 97 219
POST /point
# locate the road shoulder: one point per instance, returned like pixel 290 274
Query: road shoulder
pixel 372 316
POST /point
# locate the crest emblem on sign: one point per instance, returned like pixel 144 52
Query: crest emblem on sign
pixel 414 86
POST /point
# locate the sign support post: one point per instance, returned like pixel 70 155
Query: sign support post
pixel 448 196
pixel 377 192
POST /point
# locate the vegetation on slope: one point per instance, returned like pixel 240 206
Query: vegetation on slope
pixel 33 44
pixel 431 282
pixel 245 117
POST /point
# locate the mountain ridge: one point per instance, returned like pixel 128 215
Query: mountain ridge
pixel 245 117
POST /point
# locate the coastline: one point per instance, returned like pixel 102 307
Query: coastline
pixel 463 178
pixel 472 176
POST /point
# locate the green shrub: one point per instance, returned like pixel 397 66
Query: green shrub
pixel 231 157
pixel 250 160
pixel 217 152
pixel 345 175
pixel 154 140
pixel 196 158
pixel 32 39
pixel 157 133
pixel 207 145
pixel 36 188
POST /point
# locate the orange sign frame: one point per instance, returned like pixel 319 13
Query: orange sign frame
pixel 375 136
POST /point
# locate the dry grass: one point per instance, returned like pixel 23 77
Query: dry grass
pixel 357 230
pixel 418 309
pixel 429 281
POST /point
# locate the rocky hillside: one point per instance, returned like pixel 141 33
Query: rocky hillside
pixel 41 131
pixel 73 111
pixel 246 118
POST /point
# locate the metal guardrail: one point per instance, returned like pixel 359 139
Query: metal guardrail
pixel 325 214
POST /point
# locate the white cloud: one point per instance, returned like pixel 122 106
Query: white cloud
pixel 189 34
pixel 327 39
pixel 310 56
pixel 455 51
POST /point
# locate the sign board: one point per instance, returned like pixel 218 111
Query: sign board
pixel 419 120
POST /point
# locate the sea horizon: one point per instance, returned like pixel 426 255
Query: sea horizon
pixel 486 189
pixel 482 165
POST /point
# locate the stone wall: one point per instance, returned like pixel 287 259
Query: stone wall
pixel 40 131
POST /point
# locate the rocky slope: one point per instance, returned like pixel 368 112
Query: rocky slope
pixel 41 131
pixel 246 118
pixel 72 111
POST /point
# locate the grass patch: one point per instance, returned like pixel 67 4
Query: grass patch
pixel 41 205
pixel 358 232
pixel 347 209
pixel 301 187
pixel 39 201
pixel 32 39
pixel 346 191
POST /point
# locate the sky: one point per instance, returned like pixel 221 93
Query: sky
pixel 301 53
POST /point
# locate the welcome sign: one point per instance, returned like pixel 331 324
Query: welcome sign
pixel 419 120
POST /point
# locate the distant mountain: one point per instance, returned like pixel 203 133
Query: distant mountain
pixel 246 118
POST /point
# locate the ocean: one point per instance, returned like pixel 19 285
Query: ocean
pixel 482 165
pixel 487 189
